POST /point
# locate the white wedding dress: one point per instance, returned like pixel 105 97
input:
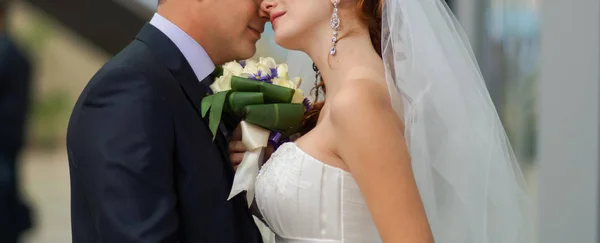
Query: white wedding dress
pixel 304 200
pixel 468 178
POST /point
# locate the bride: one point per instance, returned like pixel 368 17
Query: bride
pixel 405 147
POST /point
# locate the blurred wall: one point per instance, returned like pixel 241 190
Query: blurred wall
pixel 569 121
pixel 466 13
pixel 63 63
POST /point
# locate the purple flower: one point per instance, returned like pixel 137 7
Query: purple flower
pixel 306 104
pixel 276 139
pixel 260 77
pixel 243 63
pixel 274 73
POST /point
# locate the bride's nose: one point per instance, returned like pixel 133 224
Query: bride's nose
pixel 267 6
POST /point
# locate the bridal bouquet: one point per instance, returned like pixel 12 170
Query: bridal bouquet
pixel 269 103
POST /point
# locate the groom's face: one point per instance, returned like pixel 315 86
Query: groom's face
pixel 238 26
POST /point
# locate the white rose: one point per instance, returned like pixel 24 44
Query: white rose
pixel 267 62
pixel 253 69
pixel 298 96
pixel 250 68
pixel 233 68
pixel 284 83
pixel 264 71
pixel 282 71
pixel 251 62
pixel 297 82
pixel 221 84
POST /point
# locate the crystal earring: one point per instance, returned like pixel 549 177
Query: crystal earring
pixel 334 23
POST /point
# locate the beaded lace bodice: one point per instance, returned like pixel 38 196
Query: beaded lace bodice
pixel 305 200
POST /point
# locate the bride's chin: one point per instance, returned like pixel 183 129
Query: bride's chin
pixel 289 43
pixel 282 42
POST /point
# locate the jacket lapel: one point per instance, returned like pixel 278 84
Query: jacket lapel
pixel 195 91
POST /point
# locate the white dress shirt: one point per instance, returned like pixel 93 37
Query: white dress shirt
pixel 193 52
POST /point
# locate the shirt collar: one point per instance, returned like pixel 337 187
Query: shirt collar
pixel 193 52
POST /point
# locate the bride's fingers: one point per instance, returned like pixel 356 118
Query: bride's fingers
pixel 236 147
pixel 237 134
pixel 236 158
pixel 268 151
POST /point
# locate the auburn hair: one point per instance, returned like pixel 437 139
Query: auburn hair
pixel 369 12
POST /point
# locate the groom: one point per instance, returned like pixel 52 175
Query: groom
pixel 143 163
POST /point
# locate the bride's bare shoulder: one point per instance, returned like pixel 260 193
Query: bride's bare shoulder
pixel 358 94
pixel 362 103
pixel 361 112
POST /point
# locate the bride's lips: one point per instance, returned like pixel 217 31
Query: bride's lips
pixel 275 16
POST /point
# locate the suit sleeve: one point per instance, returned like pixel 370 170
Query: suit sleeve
pixel 122 142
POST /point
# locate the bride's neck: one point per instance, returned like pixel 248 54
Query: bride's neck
pixel 353 52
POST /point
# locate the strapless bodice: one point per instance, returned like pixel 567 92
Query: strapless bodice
pixel 305 200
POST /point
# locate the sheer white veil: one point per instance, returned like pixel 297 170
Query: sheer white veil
pixel 468 176
pixel 469 179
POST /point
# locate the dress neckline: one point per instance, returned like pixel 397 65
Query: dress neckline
pixel 315 159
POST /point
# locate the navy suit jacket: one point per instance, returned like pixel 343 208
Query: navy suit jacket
pixel 143 163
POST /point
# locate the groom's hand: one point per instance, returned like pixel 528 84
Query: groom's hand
pixel 236 148
pixel 237 134
pixel 236 153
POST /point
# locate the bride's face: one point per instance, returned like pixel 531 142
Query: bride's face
pixel 295 22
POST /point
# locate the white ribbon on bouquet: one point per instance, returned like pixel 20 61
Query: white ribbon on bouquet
pixel 255 139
